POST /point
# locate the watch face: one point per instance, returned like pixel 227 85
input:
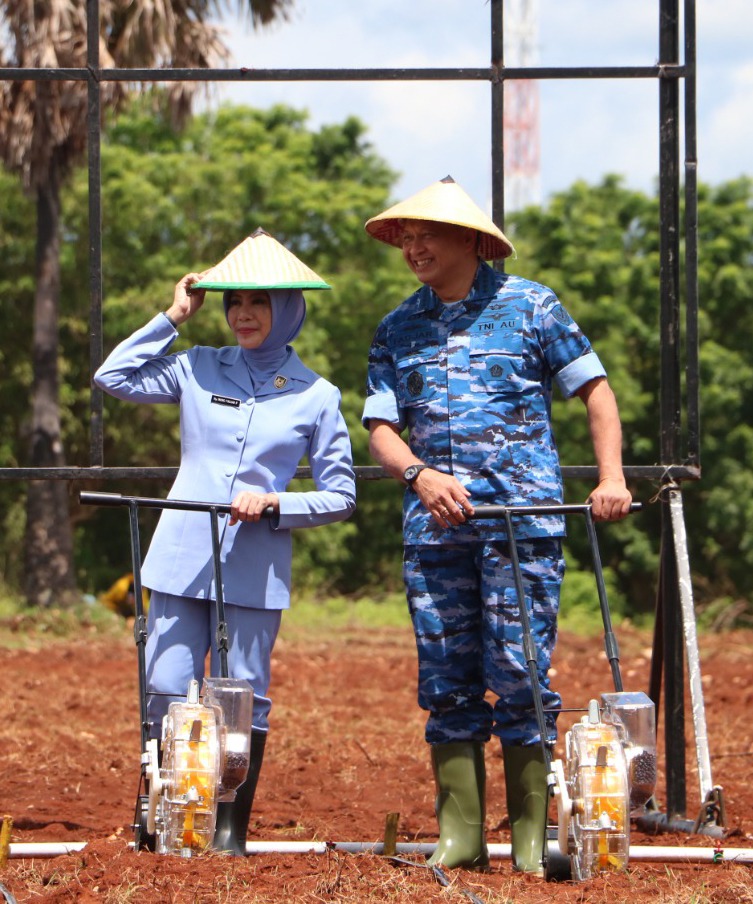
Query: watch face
pixel 412 472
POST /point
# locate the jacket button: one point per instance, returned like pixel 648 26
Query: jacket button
pixel 239 436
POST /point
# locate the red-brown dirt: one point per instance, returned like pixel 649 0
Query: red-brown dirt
pixel 346 747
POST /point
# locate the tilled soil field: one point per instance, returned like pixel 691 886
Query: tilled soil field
pixel 345 749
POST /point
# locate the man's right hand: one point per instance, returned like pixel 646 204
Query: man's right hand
pixel 444 497
pixel 441 494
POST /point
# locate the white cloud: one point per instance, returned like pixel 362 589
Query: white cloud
pixel 426 129
pixel 729 132
pixel 611 33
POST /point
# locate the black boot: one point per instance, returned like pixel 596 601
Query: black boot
pixel 233 816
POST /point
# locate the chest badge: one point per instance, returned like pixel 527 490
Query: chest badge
pixel 496 370
pixel 226 400
pixel 280 382
pixel 415 383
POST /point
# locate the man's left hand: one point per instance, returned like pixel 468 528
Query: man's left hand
pixel 611 500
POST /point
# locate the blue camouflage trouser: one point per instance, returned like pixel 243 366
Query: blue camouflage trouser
pixel 464 607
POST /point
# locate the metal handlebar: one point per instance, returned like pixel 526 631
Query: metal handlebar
pixel 500 511
pixel 222 508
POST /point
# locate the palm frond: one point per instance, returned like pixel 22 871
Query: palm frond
pixel 39 119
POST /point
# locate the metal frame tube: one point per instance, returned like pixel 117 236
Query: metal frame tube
pixel 646 853
pixel 680 544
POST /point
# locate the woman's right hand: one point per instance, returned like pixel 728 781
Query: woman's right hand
pixel 248 506
pixel 186 300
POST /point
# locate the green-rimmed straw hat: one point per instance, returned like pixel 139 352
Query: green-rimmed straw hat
pixel 442 202
pixel 261 262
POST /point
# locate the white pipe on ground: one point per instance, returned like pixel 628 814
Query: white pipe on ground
pixel 45 848
pixel 499 851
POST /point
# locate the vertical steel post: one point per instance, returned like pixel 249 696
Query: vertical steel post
pixel 498 117
pixel 94 110
pixel 669 238
pixel 670 417
pixel 692 375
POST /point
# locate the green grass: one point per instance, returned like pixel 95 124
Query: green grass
pixel 579 614
pixel 341 614
pixel 21 625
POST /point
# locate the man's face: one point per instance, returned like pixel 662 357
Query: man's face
pixel 438 253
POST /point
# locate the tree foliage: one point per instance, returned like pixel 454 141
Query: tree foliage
pixel 43 134
pixel 599 247
pixel 178 201
pixel 203 191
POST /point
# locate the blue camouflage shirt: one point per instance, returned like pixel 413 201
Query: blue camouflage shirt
pixel 472 383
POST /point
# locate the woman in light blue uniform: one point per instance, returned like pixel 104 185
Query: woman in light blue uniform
pixel 248 415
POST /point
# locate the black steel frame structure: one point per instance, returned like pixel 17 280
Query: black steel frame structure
pixel 675 77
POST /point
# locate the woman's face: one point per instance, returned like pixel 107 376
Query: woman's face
pixel 249 314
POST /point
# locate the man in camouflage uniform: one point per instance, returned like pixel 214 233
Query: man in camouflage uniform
pixel 466 365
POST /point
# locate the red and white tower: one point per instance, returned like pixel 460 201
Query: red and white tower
pixel 521 117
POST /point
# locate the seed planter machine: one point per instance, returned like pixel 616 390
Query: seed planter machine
pixel 204 752
pixel 608 770
pixel 605 777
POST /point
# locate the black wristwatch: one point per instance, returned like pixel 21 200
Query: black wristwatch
pixel 412 472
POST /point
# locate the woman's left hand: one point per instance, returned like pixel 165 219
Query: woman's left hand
pixel 248 506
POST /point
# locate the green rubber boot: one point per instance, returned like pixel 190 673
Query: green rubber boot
pixel 527 806
pixel 460 776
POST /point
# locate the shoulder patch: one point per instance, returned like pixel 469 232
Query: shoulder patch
pixel 561 315
pixel 415 383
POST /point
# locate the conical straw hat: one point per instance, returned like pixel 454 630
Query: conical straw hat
pixel 261 262
pixel 442 202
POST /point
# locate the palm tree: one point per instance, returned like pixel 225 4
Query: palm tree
pixel 43 134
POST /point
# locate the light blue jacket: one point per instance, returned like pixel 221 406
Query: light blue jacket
pixel 233 439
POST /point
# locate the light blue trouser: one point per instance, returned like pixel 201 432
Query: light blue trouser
pixel 182 630
pixel 466 620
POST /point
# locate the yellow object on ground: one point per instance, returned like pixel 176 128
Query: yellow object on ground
pixel 120 597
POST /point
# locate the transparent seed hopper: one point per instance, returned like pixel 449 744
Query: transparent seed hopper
pixel 636 714
pixel 205 756
pixel 234 697
pixel 609 771
pixel 183 798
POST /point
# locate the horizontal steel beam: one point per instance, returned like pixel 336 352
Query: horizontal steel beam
pixel 363 472
pixel 248 74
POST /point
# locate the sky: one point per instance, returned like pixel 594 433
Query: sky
pixel 427 130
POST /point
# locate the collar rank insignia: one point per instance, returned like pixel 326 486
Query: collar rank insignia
pixel 280 381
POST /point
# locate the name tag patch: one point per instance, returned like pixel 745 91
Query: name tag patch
pixel 226 400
